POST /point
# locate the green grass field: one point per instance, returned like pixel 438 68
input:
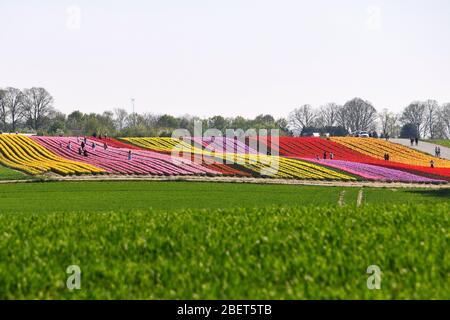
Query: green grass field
pixel 9 174
pixel 157 240
pixel 167 196
pixel 442 142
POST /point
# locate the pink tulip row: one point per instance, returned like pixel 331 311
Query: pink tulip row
pixel 115 160
pixel 223 145
pixel 372 172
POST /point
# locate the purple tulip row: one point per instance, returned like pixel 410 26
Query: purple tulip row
pixel 372 172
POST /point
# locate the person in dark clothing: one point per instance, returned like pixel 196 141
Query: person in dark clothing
pixel 129 154
pixel 325 155
pixel 85 153
pixel 105 146
pixel 387 156
pixel 417 140
pixel 412 141
pixel 80 151
pixel 432 163
pixel 82 145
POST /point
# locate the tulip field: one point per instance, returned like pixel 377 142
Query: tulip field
pixel 354 159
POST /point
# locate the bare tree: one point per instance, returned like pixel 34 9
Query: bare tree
pixel 302 117
pixel 342 118
pixel 3 110
pixel 38 104
pixel 358 114
pixel 388 122
pixel 432 118
pixel 415 114
pixel 444 114
pixel 120 117
pixel 328 115
pixel 14 106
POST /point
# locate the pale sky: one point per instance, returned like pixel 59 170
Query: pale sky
pixel 229 57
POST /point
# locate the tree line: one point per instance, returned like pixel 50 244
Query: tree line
pixel 32 111
pixel 418 119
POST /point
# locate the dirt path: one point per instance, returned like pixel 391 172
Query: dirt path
pixel 359 184
pixel 423 146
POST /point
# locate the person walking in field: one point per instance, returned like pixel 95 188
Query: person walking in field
pixel 325 155
pixel 331 155
pixel 105 146
pixel 411 139
pixel 417 141
pixel 82 145
pixel 69 145
pixel 439 152
pixel 93 146
pixel 432 163
pixel 129 154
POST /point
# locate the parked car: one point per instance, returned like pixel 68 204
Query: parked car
pixel 361 134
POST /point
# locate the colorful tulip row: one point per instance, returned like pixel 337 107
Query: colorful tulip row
pixel 22 153
pixel 312 148
pixel 257 164
pixel 377 148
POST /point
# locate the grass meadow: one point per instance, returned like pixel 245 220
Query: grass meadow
pixel 181 240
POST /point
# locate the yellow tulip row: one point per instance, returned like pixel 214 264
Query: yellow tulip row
pixel 280 167
pixel 164 144
pixel 377 148
pixel 22 153
pixel 272 166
